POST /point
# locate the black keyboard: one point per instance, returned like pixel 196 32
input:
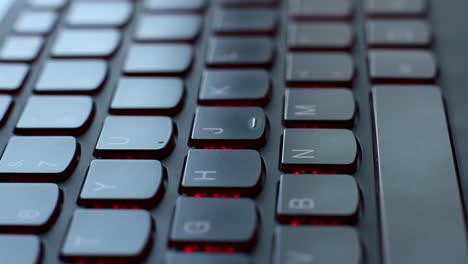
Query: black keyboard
pixel 233 131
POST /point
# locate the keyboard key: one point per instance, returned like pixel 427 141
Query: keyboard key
pixel 222 173
pixel 319 69
pixel 35 22
pixel 5 7
pixel 72 76
pixel 170 28
pixel 416 177
pixel 48 4
pixel 244 21
pixel 21 48
pixel 235 87
pixel 176 6
pixel 320 9
pixel 402 66
pixel 248 3
pixel 207 258
pixel 396 8
pixel 158 59
pixel 401 33
pixel 230 127
pixel 319 151
pixel 232 52
pixel 135 137
pixel 20 249
pixel 13 76
pixel 6 105
pixel 317 245
pixel 86 43
pixel 24 158
pixel 330 107
pixel 123 183
pixel 56 115
pixel 139 95
pixel 100 14
pixel 317 199
pixel 320 36
pixel 28 207
pixel 200 223
pixel 118 235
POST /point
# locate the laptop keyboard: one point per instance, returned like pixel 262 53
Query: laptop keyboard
pixel 163 131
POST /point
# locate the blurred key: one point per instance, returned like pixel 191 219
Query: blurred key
pixel 397 66
pixel 401 33
pixel 20 249
pixel 135 137
pixel 332 151
pixel 114 235
pixel 158 59
pixel 222 172
pixel 123 183
pixel 207 258
pixel 230 52
pixel 231 127
pixel 329 107
pixel 198 223
pixel 235 87
pixel 99 14
pixel 148 95
pixel 86 43
pixel 319 69
pixel 25 158
pixel 168 28
pixel 13 76
pixel 176 6
pixel 35 22
pixel 320 9
pixel 6 105
pixel 48 4
pixel 21 48
pixel 56 115
pixel 28 207
pixel 317 199
pixel 248 3
pixel 72 76
pixel 398 8
pixel 320 36
pixel 255 21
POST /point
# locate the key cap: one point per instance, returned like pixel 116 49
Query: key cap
pixel 230 52
pixel 86 43
pixel 72 76
pixel 401 33
pixel 56 115
pixel 416 177
pixel 235 87
pixel 402 66
pixel 28 207
pixel 47 4
pixel 24 158
pixel 317 245
pixel 320 9
pixel 135 137
pixel 5 7
pixel 99 14
pixel 35 22
pixel 233 21
pixel 222 172
pixel 228 224
pixel 230 127
pixel 399 8
pixel 320 36
pixel 114 235
pixel 176 6
pixel 6 105
pixel 203 258
pixel 326 108
pixel 20 249
pixel 319 151
pixel 13 76
pixel 113 183
pixel 319 69
pixel 317 199
pixel 21 48
pixel 248 3
pixel 158 59
pixel 170 28
pixel 144 96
